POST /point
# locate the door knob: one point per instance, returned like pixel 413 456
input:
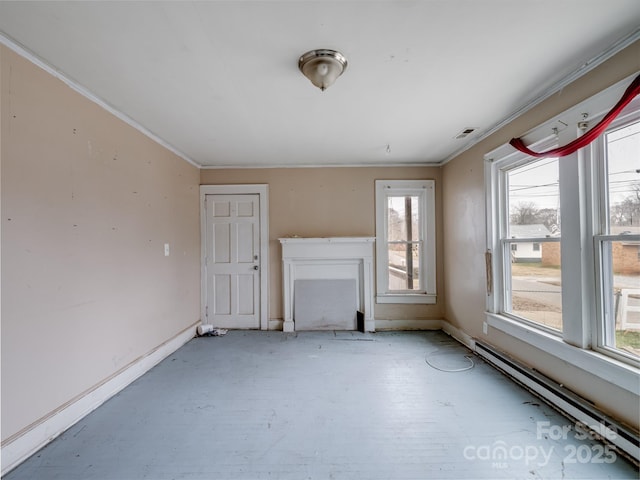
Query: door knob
pixel 255 267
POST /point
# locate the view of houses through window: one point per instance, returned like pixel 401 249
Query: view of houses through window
pixel 563 239
pixel 533 260
pixel 620 252
pixel 534 267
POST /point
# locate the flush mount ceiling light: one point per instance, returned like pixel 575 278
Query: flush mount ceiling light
pixel 322 67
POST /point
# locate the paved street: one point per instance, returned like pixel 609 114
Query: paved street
pixel 538 290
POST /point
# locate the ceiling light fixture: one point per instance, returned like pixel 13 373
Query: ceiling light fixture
pixel 322 67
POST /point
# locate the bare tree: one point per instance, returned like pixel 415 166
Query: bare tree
pixel 548 217
pixel 524 213
pixel 627 212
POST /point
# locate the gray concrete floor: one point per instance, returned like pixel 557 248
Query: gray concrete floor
pixel 323 405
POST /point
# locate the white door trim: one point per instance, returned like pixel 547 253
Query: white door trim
pixel 262 190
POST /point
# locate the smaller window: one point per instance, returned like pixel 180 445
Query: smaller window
pixel 405 241
pixel 514 247
pixel 536 247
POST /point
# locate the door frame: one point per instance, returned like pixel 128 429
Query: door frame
pixel 262 190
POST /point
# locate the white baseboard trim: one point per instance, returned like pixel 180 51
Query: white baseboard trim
pixel 459 335
pixel 20 446
pixel 276 324
pixel 382 325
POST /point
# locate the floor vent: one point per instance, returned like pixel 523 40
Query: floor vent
pixel 566 401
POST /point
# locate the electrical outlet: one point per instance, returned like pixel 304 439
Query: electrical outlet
pixel 485 327
pixel 166 249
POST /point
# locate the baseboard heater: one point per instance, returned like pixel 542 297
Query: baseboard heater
pixel 567 402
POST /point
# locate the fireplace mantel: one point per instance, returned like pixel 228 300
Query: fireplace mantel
pixel 328 258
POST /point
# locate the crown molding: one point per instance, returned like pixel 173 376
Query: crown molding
pixel 582 70
pixel 24 52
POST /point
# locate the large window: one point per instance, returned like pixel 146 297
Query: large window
pixel 563 239
pixel 618 243
pixel 531 238
pixel 405 241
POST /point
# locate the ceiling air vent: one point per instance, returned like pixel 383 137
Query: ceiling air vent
pixel 464 133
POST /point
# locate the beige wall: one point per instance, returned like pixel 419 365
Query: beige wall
pixel 464 232
pixel 323 202
pixel 87 205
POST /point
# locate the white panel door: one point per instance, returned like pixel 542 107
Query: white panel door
pixel 232 261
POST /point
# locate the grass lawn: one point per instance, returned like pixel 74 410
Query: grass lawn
pixel 533 270
pixel 629 340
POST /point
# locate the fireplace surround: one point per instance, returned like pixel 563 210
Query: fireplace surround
pixel 328 258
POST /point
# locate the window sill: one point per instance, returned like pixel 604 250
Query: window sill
pixel 606 368
pixel 428 299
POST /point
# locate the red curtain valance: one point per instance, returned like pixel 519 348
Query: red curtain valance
pixel 632 91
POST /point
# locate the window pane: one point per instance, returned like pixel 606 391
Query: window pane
pixel 534 199
pixel 623 179
pixel 621 265
pixel 403 214
pixel 623 272
pixel 536 292
pixel 404 266
pixel 405 222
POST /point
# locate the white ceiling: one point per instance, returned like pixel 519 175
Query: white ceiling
pixel 218 81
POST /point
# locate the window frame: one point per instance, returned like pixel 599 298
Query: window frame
pixel 499 241
pixel 581 188
pixel 602 234
pixel 425 191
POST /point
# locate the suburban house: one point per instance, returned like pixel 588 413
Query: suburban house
pixel 107 226
pixel 529 251
pixel 626 255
